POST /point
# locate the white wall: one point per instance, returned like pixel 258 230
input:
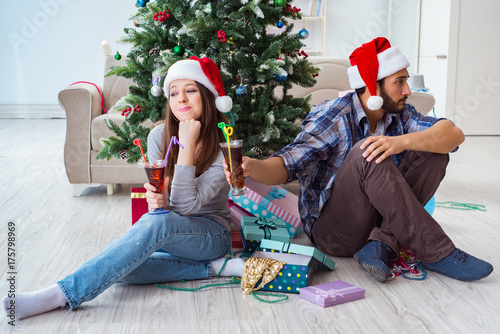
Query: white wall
pixel 403 31
pixel 352 23
pixel 49 44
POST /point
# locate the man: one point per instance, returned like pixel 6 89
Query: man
pixel 367 163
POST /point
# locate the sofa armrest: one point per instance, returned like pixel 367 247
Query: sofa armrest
pixel 423 102
pixel 82 103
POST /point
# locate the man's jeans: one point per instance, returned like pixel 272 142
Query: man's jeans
pixel 386 203
pixel 158 248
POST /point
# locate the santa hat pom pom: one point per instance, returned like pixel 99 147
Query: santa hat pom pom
pixel 375 102
pixel 224 103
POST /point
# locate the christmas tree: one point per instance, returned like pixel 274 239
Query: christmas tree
pixel 258 68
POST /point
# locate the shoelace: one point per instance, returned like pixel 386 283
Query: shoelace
pixel 459 256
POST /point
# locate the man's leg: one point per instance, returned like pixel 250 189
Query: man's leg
pixel 375 202
pixel 384 204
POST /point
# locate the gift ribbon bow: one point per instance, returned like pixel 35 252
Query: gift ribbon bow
pixel 266 225
pixel 332 293
pixel 264 222
pixel 274 193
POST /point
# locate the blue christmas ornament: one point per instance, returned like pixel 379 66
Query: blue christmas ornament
pixel 142 3
pixel 303 34
pixel 241 91
pixel 280 24
pixel 280 78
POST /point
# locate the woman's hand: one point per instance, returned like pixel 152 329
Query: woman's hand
pixel 157 200
pixel 189 131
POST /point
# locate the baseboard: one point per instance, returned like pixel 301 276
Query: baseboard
pixel 31 111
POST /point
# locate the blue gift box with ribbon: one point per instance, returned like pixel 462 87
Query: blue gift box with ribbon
pixel 301 262
pixel 254 229
pixel 271 202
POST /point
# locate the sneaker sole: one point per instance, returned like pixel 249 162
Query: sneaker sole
pixel 375 272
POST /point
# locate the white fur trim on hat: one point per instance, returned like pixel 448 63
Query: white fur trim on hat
pixel 224 103
pixel 375 102
pixel 390 61
pixel 187 69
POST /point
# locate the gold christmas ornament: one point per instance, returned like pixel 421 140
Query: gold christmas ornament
pixel 257 268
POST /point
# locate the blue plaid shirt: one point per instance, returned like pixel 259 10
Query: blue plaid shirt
pixel 329 132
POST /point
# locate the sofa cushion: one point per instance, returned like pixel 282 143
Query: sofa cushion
pixel 114 87
pixel 99 128
pixel 332 79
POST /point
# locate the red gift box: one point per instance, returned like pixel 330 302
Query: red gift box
pixel 139 203
pixel 236 241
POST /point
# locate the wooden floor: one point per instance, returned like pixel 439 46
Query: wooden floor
pixel 56 233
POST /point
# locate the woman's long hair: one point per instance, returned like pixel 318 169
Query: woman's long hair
pixel 210 134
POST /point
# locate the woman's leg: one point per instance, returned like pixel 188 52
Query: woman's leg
pixel 165 267
pixel 193 238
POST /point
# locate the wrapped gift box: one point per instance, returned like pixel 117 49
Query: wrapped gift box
pixel 236 213
pixel 301 262
pixel 236 240
pixel 254 229
pixel 271 202
pixel 139 203
pixel 332 293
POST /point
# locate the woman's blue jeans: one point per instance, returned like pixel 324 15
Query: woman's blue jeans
pixel 158 248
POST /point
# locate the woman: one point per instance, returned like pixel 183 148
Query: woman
pixel 190 241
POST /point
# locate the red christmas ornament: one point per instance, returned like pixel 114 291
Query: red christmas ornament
pixel 293 9
pixel 161 16
pixel 302 53
pixel 221 35
pixel 127 111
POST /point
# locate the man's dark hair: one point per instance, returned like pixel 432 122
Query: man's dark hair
pixel 362 90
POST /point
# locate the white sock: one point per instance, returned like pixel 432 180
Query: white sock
pixel 33 303
pixel 233 267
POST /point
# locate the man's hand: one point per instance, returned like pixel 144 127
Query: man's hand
pixel 244 165
pixel 382 147
pixel 269 171
pixel 157 200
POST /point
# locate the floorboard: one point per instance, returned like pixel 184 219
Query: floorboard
pixel 56 233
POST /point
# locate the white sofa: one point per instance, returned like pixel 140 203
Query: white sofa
pixel 332 80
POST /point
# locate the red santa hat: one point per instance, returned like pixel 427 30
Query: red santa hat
pixel 204 71
pixel 371 62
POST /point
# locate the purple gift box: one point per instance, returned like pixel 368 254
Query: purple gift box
pixel 332 293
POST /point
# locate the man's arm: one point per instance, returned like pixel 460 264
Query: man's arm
pixel 442 137
pixel 270 171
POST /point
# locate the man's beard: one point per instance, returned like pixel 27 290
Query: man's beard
pixel 389 104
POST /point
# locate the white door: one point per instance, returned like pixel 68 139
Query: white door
pixel 433 50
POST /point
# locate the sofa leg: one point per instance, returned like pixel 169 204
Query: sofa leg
pixel 78 188
pixel 111 188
